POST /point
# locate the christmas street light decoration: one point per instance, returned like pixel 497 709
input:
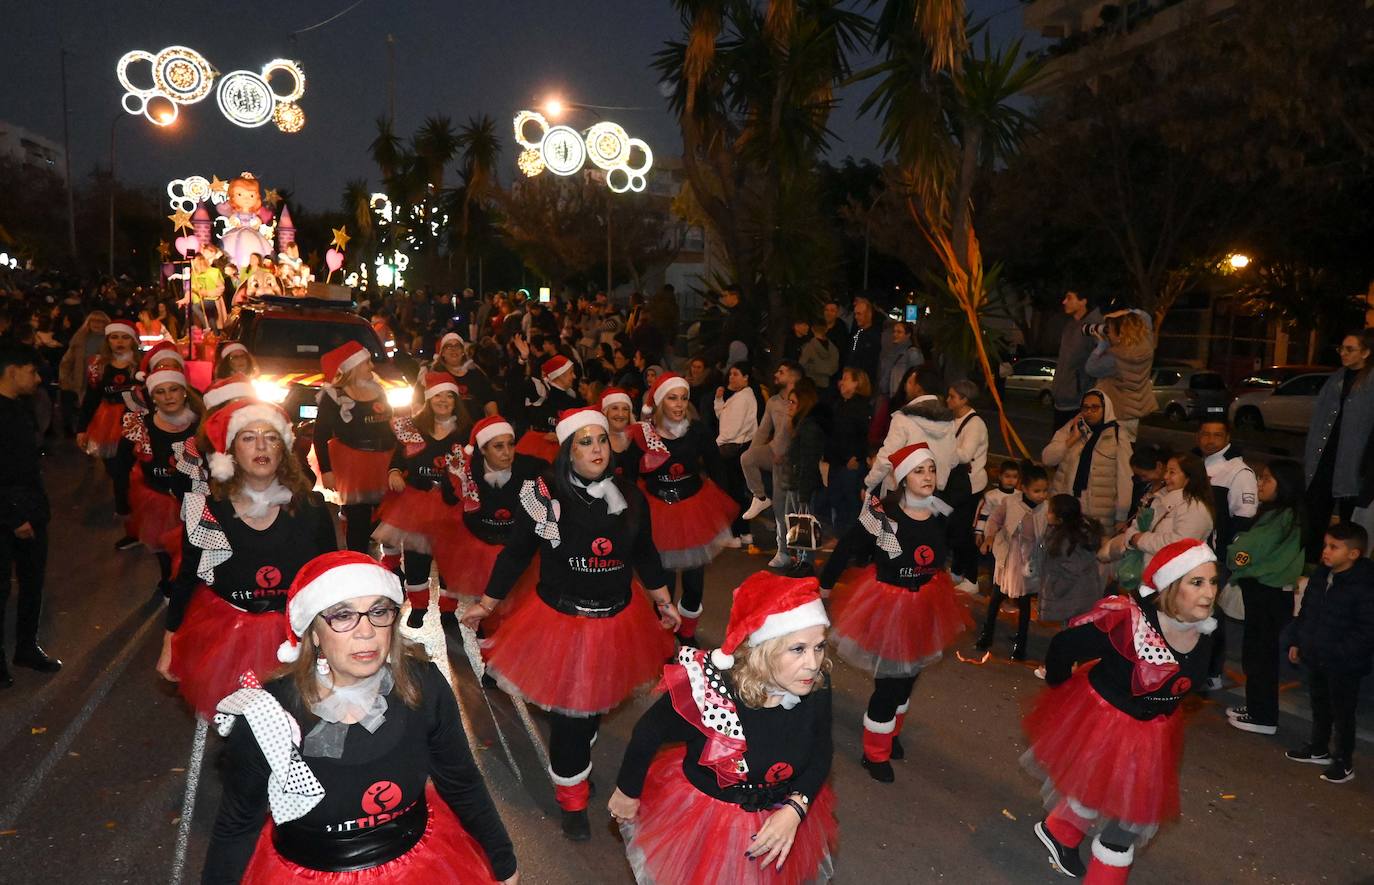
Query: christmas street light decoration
pixel 181 76
pixel 563 151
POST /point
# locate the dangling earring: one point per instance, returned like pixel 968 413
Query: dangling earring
pixel 322 665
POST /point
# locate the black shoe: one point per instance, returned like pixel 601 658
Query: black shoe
pixel 576 826
pixel 126 543
pixel 898 751
pixel 416 618
pixel 687 641
pixel 1018 651
pixel 1063 858
pixel 1339 773
pixel 984 641
pixel 802 570
pixel 448 620
pixel 35 658
pixel 880 771
pixel 1309 754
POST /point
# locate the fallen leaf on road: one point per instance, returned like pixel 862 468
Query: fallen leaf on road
pixel 110 825
pixel 1228 795
pixel 8 832
pixel 177 770
pixel 38 729
pixel 72 753
pixel 1008 815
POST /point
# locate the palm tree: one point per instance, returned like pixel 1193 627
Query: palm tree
pixel 434 146
pixel 386 149
pixel 481 148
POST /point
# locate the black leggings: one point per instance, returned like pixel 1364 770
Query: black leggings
pixel 164 565
pixel 693 587
pixel 358 531
pixel 570 743
pixel 118 470
pixel 417 568
pixel 889 693
pixel 1023 610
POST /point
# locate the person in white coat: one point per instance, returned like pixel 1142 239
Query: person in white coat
pixel 1184 511
pixel 971 448
pixel 737 416
pixel 924 419
pixel 1092 461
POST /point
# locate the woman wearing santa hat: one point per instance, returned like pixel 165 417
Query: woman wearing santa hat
pixel 545 402
pixel 358 752
pixel 235 359
pixel 100 422
pixel 353 438
pixel 1107 737
pixel 475 389
pixel 246 536
pixel 751 781
pixel 485 479
pixel 692 514
pixel 415 513
pixel 586 640
pixel 153 444
pixel 896 616
pixel 619 410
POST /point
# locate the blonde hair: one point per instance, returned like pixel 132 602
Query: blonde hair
pixel 1131 329
pixel 1167 600
pixel 405 659
pixel 289 473
pixel 752 674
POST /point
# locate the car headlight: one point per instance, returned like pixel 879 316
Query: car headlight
pixel 399 397
pixel 271 391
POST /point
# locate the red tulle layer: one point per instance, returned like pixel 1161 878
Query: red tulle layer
pixel 154 517
pixel 105 430
pixel 890 630
pixel 681 836
pixel 1124 768
pixel 534 444
pixel 446 853
pixel 216 643
pixel 466 562
pixel 359 477
pixel 691 532
pixel 414 519
pixel 578 666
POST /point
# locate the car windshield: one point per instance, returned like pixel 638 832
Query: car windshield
pixel 294 339
pixel 1207 381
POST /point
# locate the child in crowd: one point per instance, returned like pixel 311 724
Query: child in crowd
pixel 1065 568
pixel 1008 481
pixel 1335 640
pixel 1012 533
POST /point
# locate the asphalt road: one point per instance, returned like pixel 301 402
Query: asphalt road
pixel 98 757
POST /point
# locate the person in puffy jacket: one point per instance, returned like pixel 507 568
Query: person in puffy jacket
pixel 924 419
pixel 1121 365
pixel 1092 461
pixel 1184 511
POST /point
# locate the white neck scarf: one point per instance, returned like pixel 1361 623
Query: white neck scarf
pixel 674 429
pixel 496 478
pixel 179 420
pixel 605 489
pixel 254 504
pixel 789 700
pixel 1204 626
pixel 363 702
pixel 929 502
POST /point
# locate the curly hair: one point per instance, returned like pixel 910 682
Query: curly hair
pixel 289 474
pixel 753 672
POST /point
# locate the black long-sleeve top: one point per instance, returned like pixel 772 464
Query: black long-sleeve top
pixel 787 751
pixel 22 496
pixel 159 470
pixel 494 520
pixel 689 456
pixel 543 418
pixel 368 428
pixel 1111 676
pixel 588 572
pixel 849 437
pixel 107 386
pixel 924 547
pixel 425 465
pixel 264 563
pixel 411 746
pixel 626 463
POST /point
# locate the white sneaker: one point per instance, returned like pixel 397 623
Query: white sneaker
pixel 782 560
pixel 732 542
pixel 757 506
pixel 746 539
pixel 1212 683
pixel 967 586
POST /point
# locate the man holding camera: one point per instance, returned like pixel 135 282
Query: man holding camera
pixel 1075 344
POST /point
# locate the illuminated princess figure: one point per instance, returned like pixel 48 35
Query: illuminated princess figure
pixel 247 222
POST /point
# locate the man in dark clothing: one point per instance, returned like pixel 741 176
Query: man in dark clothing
pixel 23 510
pixel 736 324
pixel 865 342
pixel 1070 376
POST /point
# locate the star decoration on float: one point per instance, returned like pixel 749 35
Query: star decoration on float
pixel 341 237
pixel 181 220
pixel 271 198
pixel 164 250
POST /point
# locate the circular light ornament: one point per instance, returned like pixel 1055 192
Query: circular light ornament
pixel 522 121
pixel 530 162
pixel 608 145
pixel 245 99
pixel 618 179
pixel 563 150
pixel 288 116
pixel 181 74
pixel 297 78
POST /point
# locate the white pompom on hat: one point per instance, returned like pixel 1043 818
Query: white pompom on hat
pixel 326 581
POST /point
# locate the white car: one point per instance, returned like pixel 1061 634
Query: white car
pixel 1286 407
pixel 1034 375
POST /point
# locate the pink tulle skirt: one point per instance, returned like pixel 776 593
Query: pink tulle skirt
pixel 534 444
pixel 154 517
pixel 414 520
pixel 681 836
pixel 216 643
pixel 578 666
pixel 446 853
pixel 105 430
pixel 691 532
pixel 1123 768
pixel 359 477
pixel 891 631
pixel 466 562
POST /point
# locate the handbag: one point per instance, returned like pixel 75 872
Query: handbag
pixel 803 528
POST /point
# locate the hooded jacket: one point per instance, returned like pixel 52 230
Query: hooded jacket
pixel 1335 629
pixel 1124 373
pixel 1107 497
pixel 924 419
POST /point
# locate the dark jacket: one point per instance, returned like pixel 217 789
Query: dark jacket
pixel 1335 629
pixel 22 497
pixel 802 473
pixel 862 348
pixel 849 437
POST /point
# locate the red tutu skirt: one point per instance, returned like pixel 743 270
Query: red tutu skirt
pixel 466 562
pixel 446 853
pixel 216 643
pixel 154 518
pixel 891 631
pixel 578 666
pixel 691 532
pixel 414 520
pixel 359 477
pixel 534 444
pixel 1123 768
pixel 682 836
pixel 105 430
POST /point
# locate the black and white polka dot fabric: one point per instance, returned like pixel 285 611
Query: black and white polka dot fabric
pixel 292 788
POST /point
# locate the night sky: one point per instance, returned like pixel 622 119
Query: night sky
pixel 457 58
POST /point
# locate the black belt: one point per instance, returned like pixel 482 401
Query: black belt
pixel 677 492
pixel 757 797
pixel 359 849
pixel 581 608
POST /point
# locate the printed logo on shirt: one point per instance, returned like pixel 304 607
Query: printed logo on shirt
pixel 778 772
pixel 923 555
pixel 1242 559
pixel 676 470
pixel 1247 497
pixel 381 797
pixel 600 560
pixel 1182 685
pixel 269 576
pixel 602 547
pixel 501 515
pixel 378 407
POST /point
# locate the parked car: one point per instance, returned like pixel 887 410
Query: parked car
pixel 1285 407
pixel 1033 375
pixel 1272 376
pixel 1188 394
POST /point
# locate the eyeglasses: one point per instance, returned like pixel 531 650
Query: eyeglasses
pixel 1341 348
pixel 345 621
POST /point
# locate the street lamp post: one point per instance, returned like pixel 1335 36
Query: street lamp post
pixel 113 125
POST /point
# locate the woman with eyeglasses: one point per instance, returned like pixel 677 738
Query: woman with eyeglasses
pixel 1337 440
pixel 357 749
pixel 585 640
pixel 247 532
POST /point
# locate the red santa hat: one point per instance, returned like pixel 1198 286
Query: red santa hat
pixel 163 351
pixel 908 459
pixel 439 382
pixel 666 382
pixel 1172 562
pixel 224 425
pixel 341 359
pixel 572 420
pixel 228 389
pixel 488 429
pixel 767 606
pixel 556 366
pixel 451 338
pixel 612 395
pixel 163 376
pixel 231 347
pixel 326 581
pixel 121 325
